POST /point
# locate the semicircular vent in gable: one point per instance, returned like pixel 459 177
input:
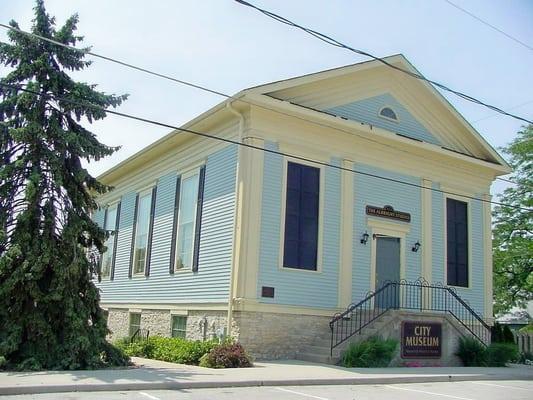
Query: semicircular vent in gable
pixel 388 113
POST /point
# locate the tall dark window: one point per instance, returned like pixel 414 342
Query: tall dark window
pixel 457 242
pixel 301 217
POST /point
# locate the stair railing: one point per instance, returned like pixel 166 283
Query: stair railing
pixel 419 295
pixel 140 335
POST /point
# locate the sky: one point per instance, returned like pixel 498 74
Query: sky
pixel 224 46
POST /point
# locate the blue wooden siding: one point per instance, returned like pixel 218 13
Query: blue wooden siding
pixel 211 282
pixel 297 287
pixel 474 295
pixel 369 190
pixel 367 111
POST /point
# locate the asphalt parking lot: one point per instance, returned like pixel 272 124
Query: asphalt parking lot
pixel 478 390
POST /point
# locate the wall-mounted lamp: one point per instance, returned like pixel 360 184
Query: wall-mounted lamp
pixel 415 247
pixel 364 238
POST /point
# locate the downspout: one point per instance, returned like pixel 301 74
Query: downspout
pixel 237 223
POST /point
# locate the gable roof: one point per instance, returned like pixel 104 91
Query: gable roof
pixel 323 91
pixel 335 88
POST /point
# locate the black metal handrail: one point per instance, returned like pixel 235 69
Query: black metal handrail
pixel 419 295
pixel 140 335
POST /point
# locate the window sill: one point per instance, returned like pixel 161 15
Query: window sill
pixel 459 287
pixel 182 271
pixel 309 271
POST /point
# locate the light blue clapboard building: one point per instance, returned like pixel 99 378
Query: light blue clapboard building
pixel 311 212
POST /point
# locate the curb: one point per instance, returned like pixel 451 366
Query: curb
pixel 114 387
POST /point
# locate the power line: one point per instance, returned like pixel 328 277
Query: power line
pixel 271 151
pixel 333 42
pixel 489 25
pixel 508 109
pixel 196 86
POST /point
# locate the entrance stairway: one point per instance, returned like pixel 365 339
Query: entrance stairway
pixel 369 316
pixel 320 351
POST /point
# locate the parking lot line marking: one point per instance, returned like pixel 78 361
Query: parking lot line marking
pixel 149 396
pixel 502 386
pixel 301 394
pixel 431 393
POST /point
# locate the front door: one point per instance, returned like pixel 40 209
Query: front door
pixel 387 270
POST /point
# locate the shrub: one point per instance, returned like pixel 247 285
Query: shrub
pixel 525 358
pixel 174 350
pixel 226 355
pixel 115 356
pixel 370 353
pixel 527 329
pixel 507 335
pixel 471 352
pixel 498 354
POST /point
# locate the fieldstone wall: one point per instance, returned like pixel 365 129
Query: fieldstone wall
pixel 118 323
pixel 269 336
pixel 201 325
pixel 206 325
pixel 156 321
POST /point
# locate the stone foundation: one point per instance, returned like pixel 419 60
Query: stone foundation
pixel 118 323
pixel 268 336
pixel 201 325
pixel 277 336
pixel 452 331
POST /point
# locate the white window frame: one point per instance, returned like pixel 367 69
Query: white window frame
pixel 187 174
pixel 139 195
pixel 111 238
pixel 320 241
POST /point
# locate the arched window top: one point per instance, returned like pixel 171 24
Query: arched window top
pixel 388 113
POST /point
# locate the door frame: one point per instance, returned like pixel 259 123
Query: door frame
pixel 386 229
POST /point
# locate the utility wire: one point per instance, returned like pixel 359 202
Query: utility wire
pixel 508 109
pixel 333 42
pixel 196 86
pixel 489 25
pixel 271 151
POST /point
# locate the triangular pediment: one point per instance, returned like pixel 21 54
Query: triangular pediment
pixel 359 92
pixel 371 111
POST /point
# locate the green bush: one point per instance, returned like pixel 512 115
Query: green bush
pixel 501 334
pixel 114 356
pixel 526 329
pixel 498 354
pixel 472 352
pixel 525 358
pixel 507 336
pixel 226 355
pixel 371 353
pixel 174 350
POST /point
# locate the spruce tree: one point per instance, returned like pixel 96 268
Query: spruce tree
pixel 50 316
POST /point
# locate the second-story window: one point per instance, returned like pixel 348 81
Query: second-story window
pixel 301 217
pixel 142 232
pixel 108 256
pixel 186 220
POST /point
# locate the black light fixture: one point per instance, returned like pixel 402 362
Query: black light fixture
pixel 364 238
pixel 416 246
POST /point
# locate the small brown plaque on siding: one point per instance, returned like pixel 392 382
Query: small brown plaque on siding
pixel 421 339
pixel 267 291
pixel 388 212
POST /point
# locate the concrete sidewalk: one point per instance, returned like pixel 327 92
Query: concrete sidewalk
pixel 158 375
